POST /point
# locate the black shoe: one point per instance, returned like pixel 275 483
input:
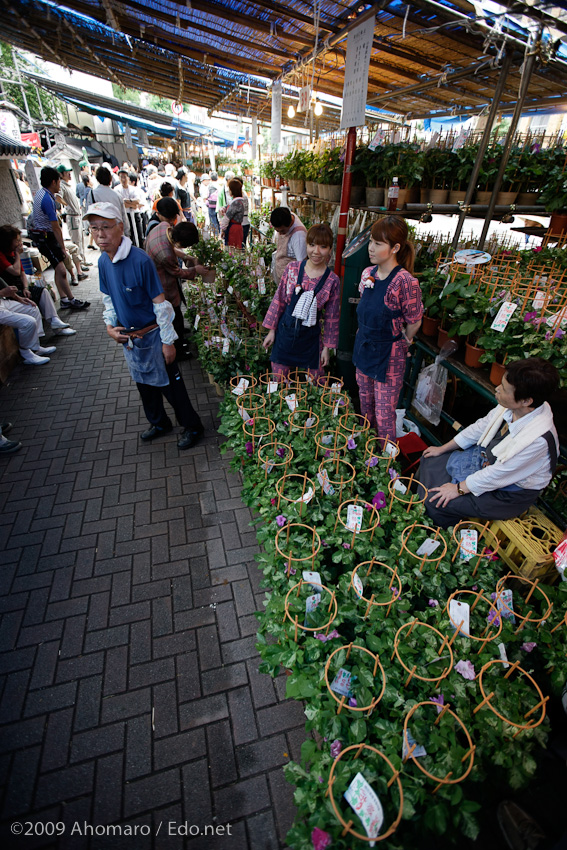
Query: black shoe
pixel 9 447
pixel 188 438
pixel 154 432
pixel 183 354
pixel 5 428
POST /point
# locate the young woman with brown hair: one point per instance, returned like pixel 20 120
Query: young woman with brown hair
pixel 389 316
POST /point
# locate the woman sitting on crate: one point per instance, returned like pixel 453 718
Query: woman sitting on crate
pixel 307 292
pixel 499 465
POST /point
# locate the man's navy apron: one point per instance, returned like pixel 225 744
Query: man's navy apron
pixel 296 345
pixel 374 340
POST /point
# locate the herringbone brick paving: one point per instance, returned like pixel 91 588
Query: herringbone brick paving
pixel 130 687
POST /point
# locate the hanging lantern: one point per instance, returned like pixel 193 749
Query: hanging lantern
pixel 318 110
pixel 290 112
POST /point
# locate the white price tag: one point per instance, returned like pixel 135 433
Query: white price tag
pixel 503 656
pixel 272 387
pixel 323 479
pixel 306 497
pixel 230 290
pixel 327 439
pixel 291 402
pixel 225 346
pixel 419 750
pixel 428 546
pixel 312 578
pixel 390 449
pixel 341 684
pixel 365 802
pixel 469 543
pixel 268 466
pixel 261 286
pixel 241 386
pixel 399 486
pixel 357 585
pixel 460 612
pixel 336 387
pixel 539 300
pixel 505 603
pixel 503 316
pixel 244 413
pixel 354 517
pixel 196 322
pixel 310 422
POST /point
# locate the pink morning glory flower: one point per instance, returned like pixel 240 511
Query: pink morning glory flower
pixel 336 748
pixel 320 839
pixel 281 520
pixel 433 603
pixel 466 669
pixel 272 501
pixel 346 545
pixel 528 647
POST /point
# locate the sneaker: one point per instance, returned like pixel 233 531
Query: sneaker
pixel 155 431
pixel 9 447
pixel 44 352
pixel 74 304
pixel 188 439
pixel 57 323
pixel 31 358
pixel 65 331
pixel 83 276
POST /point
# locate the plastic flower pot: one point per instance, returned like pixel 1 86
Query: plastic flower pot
pixel 497 371
pixel 442 337
pixel 430 326
pixel 472 355
pixel 558 224
pixel 374 197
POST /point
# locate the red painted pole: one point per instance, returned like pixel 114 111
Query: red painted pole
pixel 345 199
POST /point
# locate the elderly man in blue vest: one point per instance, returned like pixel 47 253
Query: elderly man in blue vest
pixel 138 317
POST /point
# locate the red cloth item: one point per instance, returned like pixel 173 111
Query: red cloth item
pixel 6 261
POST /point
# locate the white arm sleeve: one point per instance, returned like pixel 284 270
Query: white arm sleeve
pixel 109 316
pixel 164 317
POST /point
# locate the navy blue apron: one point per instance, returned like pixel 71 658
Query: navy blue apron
pixel 296 345
pixel 374 340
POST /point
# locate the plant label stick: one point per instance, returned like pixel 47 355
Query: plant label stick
pixel 459 612
pixel 242 385
pixel 354 517
pixel 312 578
pixel 311 604
pixel 357 585
pixel 503 316
pixel 362 798
pixel 323 479
pixel 504 603
pixel 428 546
pixel 272 387
pixel 342 683
pixel 469 543
pixel 291 402
pixel 418 751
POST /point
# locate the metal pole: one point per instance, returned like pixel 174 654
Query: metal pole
pixel 345 199
pixel 17 67
pixel 529 63
pixel 506 64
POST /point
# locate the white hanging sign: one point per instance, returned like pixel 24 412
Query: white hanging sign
pixel 254 137
pixel 304 99
pixel 355 89
pixel 128 136
pixel 276 113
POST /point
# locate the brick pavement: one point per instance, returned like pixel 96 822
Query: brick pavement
pixel 130 685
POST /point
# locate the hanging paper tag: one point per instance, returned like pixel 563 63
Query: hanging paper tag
pixel 336 409
pixel 311 604
pixel 504 603
pixel 312 578
pixel 361 797
pixel 342 682
pixel 539 300
pixel 310 422
pixel 327 439
pixel 268 466
pixel 241 386
pixel 419 750
pixel 291 402
pixel 261 286
pixel 244 413
pixel 377 140
pixel 230 290
pixel 306 497
pixel 428 546
pixel 469 543
pixel 399 486
pixel 225 346
pixel 357 585
pixel 323 479
pixel 224 329
pixel 354 517
pixel 460 612
pixel 196 322
pixel 336 387
pixel 503 316
pixel 213 315
pixel 503 656
pixel 272 387
pixel 390 449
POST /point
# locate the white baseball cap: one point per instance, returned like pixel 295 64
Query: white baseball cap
pixel 104 210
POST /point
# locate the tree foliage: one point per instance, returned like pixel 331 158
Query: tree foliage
pixel 52 106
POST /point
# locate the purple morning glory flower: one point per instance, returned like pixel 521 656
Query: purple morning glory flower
pixel 327 453
pixel 433 603
pixel 392 473
pixel 336 748
pixel 352 702
pixel 371 461
pixel 346 545
pixel 440 700
pixel 395 592
pixel 529 316
pixel 528 647
pixel 281 520
pixel 474 587
pixel 324 638
pixel 379 500
pixel 493 617
pixel 249 448
pixel 351 443
pixel 280 452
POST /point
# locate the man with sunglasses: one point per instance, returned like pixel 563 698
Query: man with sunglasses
pixel 138 317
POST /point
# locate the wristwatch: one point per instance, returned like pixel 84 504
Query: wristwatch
pixel 460 490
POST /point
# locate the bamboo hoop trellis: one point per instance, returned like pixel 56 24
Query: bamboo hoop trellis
pixel 299 480
pixel 483 532
pixel 435 680
pixel 377 666
pixel 288 556
pixel 486 698
pixel 423 559
pixel 396 592
pixel 295 620
pixel 534 586
pixel 414 498
pixel 496 619
pixel 269 458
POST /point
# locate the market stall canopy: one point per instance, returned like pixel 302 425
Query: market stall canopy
pixel 154 122
pixel 427 55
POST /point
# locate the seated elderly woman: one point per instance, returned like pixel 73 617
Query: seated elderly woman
pixel 498 466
